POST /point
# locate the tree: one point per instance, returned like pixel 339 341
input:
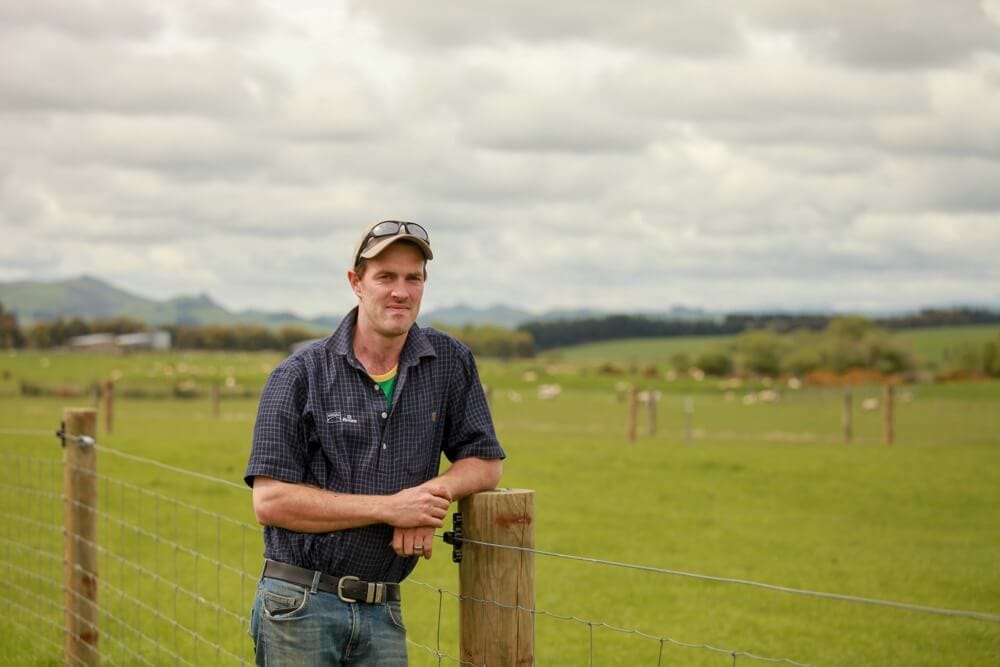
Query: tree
pixel 118 326
pixel 716 363
pixel 761 351
pixel 680 362
pixel 494 341
pixel 10 333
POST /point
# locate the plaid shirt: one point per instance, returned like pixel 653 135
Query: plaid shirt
pixel 323 421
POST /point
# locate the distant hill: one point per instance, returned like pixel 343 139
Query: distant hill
pixel 91 298
pixel 461 315
pixel 82 297
pixel 506 316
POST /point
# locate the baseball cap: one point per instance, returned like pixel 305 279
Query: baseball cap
pixel 378 236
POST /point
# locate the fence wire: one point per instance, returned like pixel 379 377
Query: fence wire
pixel 590 624
pixel 955 613
pixel 174 581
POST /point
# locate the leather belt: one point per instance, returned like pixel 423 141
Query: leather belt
pixel 348 589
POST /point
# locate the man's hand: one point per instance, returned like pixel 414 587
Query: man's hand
pixel 421 506
pixel 413 541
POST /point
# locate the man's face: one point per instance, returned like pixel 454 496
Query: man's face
pixel 389 294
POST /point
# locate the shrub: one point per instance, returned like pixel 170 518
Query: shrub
pixel 717 363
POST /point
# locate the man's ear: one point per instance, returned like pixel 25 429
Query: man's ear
pixel 355 281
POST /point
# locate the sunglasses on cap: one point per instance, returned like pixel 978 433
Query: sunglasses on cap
pixel 392 228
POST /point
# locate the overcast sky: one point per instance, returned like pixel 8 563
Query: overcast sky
pixel 614 155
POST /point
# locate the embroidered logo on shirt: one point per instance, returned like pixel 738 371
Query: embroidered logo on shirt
pixel 336 417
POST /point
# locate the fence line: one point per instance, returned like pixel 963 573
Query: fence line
pixel 201 560
pixel 600 624
pixel 983 616
pixel 959 613
pixel 697 434
pixel 165 466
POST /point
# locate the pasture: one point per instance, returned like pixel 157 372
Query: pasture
pixel 762 492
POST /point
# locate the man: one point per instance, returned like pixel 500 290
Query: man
pixel 344 464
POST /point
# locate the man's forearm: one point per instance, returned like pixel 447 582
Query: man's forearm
pixel 471 475
pixel 307 509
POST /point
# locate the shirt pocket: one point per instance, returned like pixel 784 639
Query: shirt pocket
pixel 418 437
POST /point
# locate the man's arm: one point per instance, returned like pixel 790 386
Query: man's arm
pixel 467 476
pixel 308 509
pixel 463 478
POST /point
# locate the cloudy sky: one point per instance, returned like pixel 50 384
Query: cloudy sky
pixel 626 155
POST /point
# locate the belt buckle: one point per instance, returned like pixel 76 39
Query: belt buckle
pixel 340 588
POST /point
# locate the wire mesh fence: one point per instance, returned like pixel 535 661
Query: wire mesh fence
pixel 175 580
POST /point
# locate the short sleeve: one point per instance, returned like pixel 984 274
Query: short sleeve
pixel 279 446
pixel 469 431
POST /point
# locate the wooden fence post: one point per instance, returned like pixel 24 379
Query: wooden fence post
pixel 216 398
pixel 688 419
pixel 633 413
pixel 109 404
pixel 888 415
pixel 497 585
pixel 651 404
pixel 80 538
pixel 847 419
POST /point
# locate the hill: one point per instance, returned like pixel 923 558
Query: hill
pixel 461 315
pixel 90 298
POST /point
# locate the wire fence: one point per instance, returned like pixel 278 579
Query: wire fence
pixel 176 580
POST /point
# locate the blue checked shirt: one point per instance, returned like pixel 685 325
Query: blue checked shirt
pixel 323 421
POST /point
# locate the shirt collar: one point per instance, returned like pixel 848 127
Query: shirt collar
pixel 414 349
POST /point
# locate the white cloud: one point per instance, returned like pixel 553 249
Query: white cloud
pixel 585 154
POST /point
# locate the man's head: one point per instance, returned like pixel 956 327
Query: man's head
pixel 390 260
pixel 378 236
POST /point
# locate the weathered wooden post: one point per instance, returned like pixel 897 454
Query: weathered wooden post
pixel 688 420
pixel 633 413
pixel 80 537
pixel 888 414
pixel 216 399
pixel 651 405
pixel 847 418
pixel 497 585
pixel 109 404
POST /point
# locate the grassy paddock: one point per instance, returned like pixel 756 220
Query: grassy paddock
pixel 933 345
pixel 764 492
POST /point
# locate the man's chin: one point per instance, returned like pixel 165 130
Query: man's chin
pixel 398 326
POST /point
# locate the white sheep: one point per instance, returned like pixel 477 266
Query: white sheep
pixel 548 391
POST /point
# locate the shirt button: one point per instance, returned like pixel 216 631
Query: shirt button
pixel 383 445
pixel 384 415
pixel 376 387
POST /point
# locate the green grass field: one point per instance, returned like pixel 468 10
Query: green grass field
pixel 938 344
pixel 933 345
pixel 764 492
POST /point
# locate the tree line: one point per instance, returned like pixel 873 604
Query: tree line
pixel 485 340
pixel 60 331
pixel 844 344
pixel 561 333
pixel 763 344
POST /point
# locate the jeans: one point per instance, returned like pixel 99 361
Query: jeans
pixel 291 625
